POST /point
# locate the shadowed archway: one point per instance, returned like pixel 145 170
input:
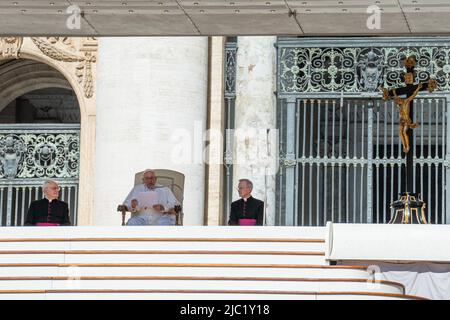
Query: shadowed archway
pixel 39 137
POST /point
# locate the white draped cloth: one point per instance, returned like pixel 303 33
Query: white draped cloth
pixel 425 279
pixel 149 216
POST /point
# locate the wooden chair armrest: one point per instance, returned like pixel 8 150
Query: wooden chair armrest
pixel 123 209
pixel 178 211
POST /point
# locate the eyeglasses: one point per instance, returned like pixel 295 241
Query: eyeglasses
pixel 55 188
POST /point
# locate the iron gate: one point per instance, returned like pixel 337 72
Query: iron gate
pixel 341 158
pixel 348 165
pixel 31 154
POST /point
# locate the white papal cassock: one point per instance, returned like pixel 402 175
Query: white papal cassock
pixel 148 216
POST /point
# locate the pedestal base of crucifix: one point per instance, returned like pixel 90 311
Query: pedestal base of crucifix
pixel 410 209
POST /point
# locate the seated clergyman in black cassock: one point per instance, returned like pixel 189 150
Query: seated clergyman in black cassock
pixel 246 211
pixel 48 211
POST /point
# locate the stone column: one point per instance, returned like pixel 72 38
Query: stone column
pixel 256 148
pixel 151 113
pixel 214 181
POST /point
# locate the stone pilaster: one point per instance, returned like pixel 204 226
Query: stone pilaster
pixel 256 149
pixel 214 195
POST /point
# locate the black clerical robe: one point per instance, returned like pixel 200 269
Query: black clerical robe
pixel 251 209
pixel 44 211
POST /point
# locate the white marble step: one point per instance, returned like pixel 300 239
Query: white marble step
pixel 162 258
pixel 367 296
pixel 199 296
pixel 303 272
pixel 239 285
pixel 165 245
pixel 272 232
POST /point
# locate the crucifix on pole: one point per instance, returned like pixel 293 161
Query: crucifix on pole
pixel 409 202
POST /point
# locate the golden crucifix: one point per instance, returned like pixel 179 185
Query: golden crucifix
pixel 405 105
pixel 410 201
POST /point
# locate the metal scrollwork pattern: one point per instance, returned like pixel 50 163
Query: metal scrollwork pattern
pixel 12 149
pixel 230 69
pixel 358 69
pixel 37 155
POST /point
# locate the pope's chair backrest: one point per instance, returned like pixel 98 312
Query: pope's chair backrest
pixel 173 180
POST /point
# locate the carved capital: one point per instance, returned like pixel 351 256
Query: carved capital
pixel 10 47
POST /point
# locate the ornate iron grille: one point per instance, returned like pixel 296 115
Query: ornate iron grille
pixel 349 165
pixel 358 66
pixel 29 155
pixel 230 100
pixel 341 156
pixel 230 69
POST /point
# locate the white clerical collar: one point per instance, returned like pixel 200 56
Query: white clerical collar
pixel 154 187
pixel 50 200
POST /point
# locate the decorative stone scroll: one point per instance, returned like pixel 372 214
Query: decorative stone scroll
pixel 82 51
pixel 62 49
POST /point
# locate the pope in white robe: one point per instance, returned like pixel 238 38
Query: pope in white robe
pixel 158 214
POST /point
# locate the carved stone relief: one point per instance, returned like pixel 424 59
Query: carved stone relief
pixel 82 51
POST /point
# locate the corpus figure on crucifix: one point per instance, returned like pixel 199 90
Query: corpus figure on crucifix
pixel 405 105
pixel 409 208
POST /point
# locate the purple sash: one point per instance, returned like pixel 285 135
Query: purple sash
pixel 247 222
pixel 47 224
